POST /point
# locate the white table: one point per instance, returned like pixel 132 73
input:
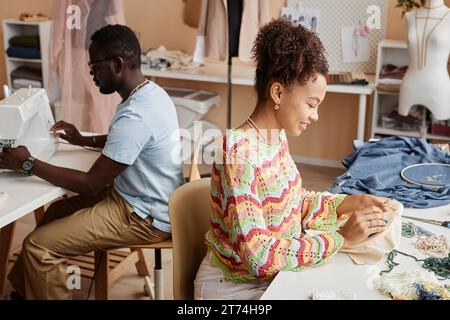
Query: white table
pixel 341 275
pixel 27 194
pixel 245 75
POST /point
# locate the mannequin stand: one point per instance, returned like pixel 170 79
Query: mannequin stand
pixel 423 127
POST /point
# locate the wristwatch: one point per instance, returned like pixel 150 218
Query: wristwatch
pixel 27 166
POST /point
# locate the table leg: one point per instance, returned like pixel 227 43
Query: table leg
pixel 39 214
pixel 361 116
pixel 6 238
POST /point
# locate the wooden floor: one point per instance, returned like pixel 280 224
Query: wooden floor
pixel 131 286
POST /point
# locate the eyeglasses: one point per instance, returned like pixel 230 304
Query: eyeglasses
pixel 93 63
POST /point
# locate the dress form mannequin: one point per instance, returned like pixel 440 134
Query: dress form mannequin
pixel 427 81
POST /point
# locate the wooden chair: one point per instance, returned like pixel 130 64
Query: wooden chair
pixel 190 221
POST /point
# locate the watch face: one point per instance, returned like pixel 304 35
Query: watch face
pixel 27 165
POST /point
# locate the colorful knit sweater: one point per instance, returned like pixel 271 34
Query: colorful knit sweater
pixel 262 220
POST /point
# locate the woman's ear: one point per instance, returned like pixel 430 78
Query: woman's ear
pixel 276 92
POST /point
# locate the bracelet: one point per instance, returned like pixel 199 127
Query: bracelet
pixel 93 140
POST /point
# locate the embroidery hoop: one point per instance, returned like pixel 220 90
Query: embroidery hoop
pixel 411 180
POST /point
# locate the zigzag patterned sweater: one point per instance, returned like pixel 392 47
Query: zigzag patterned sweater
pixel 262 220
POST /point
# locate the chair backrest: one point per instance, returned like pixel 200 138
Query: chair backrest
pixel 189 209
pixel 194 173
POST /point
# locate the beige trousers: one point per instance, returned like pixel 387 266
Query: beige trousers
pixel 73 227
pixel 210 284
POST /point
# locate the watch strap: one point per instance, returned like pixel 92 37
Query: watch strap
pixel 28 172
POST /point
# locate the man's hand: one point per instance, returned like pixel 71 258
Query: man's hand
pixel 71 133
pixel 12 158
pixel 359 202
pixel 362 224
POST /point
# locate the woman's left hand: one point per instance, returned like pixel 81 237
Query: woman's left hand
pixel 359 202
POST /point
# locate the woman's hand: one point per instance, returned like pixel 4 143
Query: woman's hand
pixel 360 201
pixel 361 224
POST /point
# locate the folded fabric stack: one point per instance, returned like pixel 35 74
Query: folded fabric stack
pixel 162 59
pixel 347 78
pixel 440 127
pixel 24 47
pixel 24 77
pixel 392 120
pixel 33 17
pixel 391 78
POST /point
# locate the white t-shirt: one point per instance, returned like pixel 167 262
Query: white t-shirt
pixel 144 135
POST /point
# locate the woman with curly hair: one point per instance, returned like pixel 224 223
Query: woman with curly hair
pixel 263 220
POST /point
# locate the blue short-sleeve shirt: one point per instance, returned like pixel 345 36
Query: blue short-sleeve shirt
pixel 144 135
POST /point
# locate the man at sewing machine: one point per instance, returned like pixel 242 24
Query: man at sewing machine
pixel 123 198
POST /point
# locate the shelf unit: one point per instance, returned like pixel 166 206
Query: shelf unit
pixel 14 27
pixel 396 53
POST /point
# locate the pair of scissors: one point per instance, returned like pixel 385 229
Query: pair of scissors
pixel 445 224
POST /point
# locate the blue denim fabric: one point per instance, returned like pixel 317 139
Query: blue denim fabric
pixel 375 167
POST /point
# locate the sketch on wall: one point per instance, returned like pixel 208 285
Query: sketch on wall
pixel 355 44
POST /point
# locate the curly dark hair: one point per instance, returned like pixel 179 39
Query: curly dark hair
pixel 286 54
pixel 119 41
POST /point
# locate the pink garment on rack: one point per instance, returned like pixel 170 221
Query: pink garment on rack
pixel 81 102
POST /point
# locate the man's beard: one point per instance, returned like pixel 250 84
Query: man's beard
pixel 108 89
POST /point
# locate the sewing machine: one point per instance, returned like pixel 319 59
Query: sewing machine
pixel 26 119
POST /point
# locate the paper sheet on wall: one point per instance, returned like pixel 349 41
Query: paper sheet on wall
pixel 355 47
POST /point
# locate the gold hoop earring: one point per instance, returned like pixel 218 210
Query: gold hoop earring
pixel 277 106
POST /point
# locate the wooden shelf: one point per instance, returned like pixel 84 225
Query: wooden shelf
pixel 413 134
pixel 394 44
pixel 12 59
pixel 393 132
pixel 242 75
pixel 388 93
pixel 41 29
pixel 437 137
pixel 25 23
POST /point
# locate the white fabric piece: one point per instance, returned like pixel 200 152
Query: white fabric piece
pixel 373 250
pixel 178 59
pixel 390 81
